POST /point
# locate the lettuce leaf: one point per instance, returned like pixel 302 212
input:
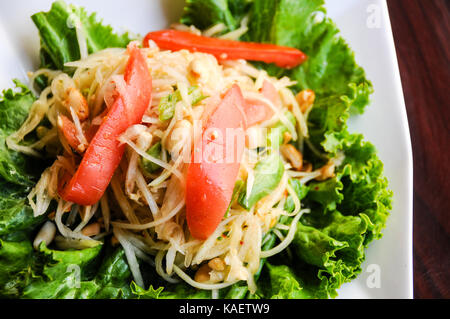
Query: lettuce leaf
pixel 347 213
pixel 268 173
pixel 59 36
pixel 328 116
pixel 49 273
pixel 15 167
pixel 206 13
pixel 365 188
pixel 284 283
pixel 14 260
pixel 345 218
pixel 327 251
pixel 18 172
pixel 327 193
pixel 15 214
pixel 60 274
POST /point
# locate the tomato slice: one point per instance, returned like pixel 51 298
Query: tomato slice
pixel 258 111
pixel 104 152
pixel 67 128
pixel 175 40
pixel 215 165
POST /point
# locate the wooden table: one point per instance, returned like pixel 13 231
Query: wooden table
pixel 422 35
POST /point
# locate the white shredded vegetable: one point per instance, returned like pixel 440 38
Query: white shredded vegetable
pixel 286 241
pixel 131 257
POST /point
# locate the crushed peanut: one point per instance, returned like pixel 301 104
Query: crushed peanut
pixel 217 264
pixel 305 99
pixel 202 274
pixel 293 155
pixel 91 229
pixel 327 171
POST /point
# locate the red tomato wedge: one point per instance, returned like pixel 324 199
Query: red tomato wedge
pixel 215 165
pixel 285 57
pixel 104 152
pixel 67 128
pixel 256 110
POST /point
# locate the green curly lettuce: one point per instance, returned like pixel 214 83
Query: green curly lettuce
pixel 14 107
pixel 59 35
pixel 49 273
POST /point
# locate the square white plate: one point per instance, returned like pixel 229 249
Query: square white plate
pixel 387 271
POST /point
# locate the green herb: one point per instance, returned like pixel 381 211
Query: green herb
pixel 276 132
pixel 268 173
pixel 301 191
pixel 167 104
pixel 147 166
pixel 238 186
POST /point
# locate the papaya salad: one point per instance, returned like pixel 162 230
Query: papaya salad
pixel 193 154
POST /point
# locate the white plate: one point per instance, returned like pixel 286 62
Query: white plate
pixel 387 271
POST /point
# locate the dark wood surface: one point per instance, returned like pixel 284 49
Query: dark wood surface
pixel 422 37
